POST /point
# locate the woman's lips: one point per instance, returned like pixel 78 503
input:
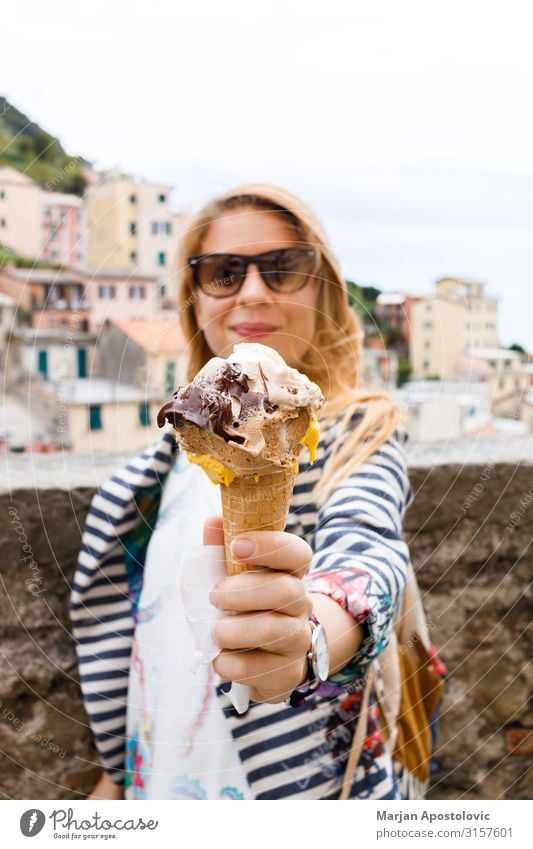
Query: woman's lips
pixel 248 329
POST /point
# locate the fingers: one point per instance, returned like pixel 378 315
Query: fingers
pixel 272 632
pixel 273 678
pixel 214 531
pixel 268 590
pixel 275 549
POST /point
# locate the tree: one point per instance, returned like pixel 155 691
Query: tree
pixel 516 347
pixel 404 371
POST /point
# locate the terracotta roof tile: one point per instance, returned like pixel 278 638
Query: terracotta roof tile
pixel 156 335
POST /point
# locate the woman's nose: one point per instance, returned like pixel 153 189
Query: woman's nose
pixel 253 287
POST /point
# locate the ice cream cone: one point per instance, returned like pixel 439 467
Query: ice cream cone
pixel 255 503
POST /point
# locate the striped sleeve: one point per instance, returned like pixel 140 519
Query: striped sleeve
pixel 360 558
pixel 101 607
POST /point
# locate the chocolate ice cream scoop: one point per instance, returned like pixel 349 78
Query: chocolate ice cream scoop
pixel 248 412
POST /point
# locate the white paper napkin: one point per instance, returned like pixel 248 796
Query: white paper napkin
pixel 202 567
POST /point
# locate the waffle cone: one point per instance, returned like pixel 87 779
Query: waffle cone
pixel 259 503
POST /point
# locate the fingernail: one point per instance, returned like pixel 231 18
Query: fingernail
pixel 214 598
pixel 241 548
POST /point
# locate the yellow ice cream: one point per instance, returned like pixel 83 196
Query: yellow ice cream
pixel 216 471
pixel 311 437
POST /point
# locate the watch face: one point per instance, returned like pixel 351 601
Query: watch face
pixel 322 654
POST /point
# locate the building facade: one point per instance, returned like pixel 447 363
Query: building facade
pixel 115 295
pixel 457 317
pixel 150 354
pixel 64 229
pixel 20 213
pixel 131 228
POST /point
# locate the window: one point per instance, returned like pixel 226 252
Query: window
pixel 161 258
pixel 43 363
pixel 144 415
pixel 53 233
pixel 105 293
pixel 133 256
pixel 2 194
pixel 133 199
pixel 133 228
pixel 161 228
pixel 162 290
pixel 95 417
pixel 2 222
pixel 428 307
pixel 82 362
pixel 170 378
pixel 79 216
pixel 425 364
pixel 427 344
pixel 428 325
pixel 142 292
pixel 162 198
pixel 53 256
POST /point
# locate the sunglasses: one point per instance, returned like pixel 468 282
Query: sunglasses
pixel 286 270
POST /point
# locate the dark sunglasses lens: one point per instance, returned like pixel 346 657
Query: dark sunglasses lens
pixel 219 276
pixel 289 269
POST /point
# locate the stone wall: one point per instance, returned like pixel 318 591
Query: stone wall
pixel 469 531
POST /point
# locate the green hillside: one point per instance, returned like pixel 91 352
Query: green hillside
pixel 24 145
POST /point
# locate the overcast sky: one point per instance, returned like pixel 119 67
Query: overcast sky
pixel 407 125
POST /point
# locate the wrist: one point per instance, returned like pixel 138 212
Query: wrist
pixel 316 664
pixel 306 675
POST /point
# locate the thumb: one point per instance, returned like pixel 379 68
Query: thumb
pixel 214 531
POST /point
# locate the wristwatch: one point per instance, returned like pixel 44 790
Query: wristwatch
pixel 317 664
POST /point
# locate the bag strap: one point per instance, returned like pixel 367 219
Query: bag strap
pixel 358 739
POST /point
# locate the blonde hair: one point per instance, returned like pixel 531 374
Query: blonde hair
pixel 332 361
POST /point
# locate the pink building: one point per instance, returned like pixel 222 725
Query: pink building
pixel 63 221
pixel 120 296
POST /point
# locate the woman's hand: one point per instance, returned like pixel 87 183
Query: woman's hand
pixel 266 643
pixel 105 788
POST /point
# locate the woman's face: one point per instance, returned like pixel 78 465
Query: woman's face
pixel 285 322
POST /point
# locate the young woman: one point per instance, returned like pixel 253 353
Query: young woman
pixel 255 266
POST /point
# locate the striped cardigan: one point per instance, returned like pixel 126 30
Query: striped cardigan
pixel 359 559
